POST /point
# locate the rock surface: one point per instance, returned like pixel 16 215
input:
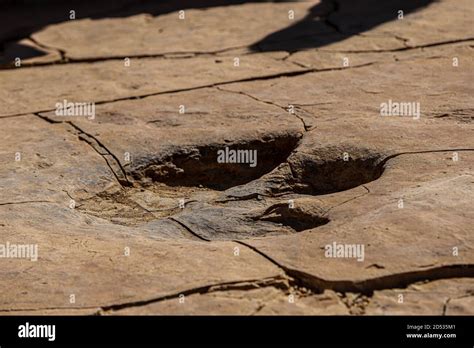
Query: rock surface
pixel 133 213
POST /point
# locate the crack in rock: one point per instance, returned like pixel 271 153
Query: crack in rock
pixel 368 286
pixel 278 282
pixel 211 189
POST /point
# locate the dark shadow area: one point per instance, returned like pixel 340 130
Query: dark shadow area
pixel 336 20
pixel 21 18
pixel 296 220
pixel 328 21
pixel 200 166
pixel 17 49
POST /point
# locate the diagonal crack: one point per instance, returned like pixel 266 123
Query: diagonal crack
pixel 279 282
pixel 47 119
pixel 24 202
pixel 368 286
pixel 187 228
pixel 305 127
pixel 445 305
pixel 211 85
pixel 111 160
pixel 367 191
pixel 89 60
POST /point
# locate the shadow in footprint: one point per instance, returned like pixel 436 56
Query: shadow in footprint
pixel 295 219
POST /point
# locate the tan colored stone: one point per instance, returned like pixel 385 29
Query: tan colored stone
pixel 87 258
pixel 233 238
pixel 214 29
pixel 441 297
pixel 401 245
pixel 263 301
pixel 39 89
pixel 28 53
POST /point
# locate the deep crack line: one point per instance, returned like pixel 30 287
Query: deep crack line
pixel 276 281
pixel 247 79
pixel 123 181
pixel 388 158
pixel 25 202
pixel 187 228
pixel 368 286
pixel 405 48
pixel 445 305
pixel 10 310
pixel 47 119
pixel 65 60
